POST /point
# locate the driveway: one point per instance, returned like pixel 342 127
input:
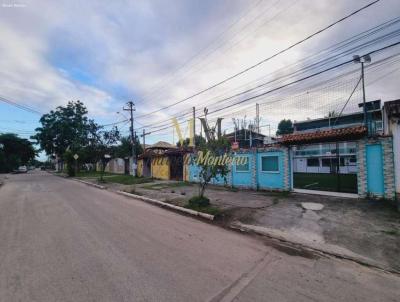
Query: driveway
pixel 64 241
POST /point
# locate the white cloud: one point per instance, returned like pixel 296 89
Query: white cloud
pixel 135 44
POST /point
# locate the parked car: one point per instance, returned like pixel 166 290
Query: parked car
pixel 22 169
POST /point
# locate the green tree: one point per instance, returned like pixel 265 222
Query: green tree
pixel 215 148
pixel 66 128
pixel 285 127
pixel 198 141
pixel 124 149
pixel 103 144
pixel 14 152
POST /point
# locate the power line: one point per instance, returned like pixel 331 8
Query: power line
pixel 264 60
pixel 323 53
pixel 291 83
pixel 313 65
pixel 22 107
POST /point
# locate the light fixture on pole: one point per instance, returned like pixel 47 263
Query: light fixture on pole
pixel 363 59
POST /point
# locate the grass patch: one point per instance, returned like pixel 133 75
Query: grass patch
pixel 390 232
pixel 126 179
pixel 202 204
pixel 92 174
pixel 208 209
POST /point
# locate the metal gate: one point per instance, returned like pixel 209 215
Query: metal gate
pixel 326 167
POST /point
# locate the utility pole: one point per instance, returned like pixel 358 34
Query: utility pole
pixel 258 117
pixel 131 108
pixel 363 89
pixel 194 126
pixel 144 140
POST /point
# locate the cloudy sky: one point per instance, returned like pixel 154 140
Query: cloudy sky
pixel 158 52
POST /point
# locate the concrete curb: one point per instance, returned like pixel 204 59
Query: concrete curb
pixel 167 205
pixel 324 251
pixel 79 180
pixel 149 200
pixel 89 183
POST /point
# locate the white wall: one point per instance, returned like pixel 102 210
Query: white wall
pixel 395 129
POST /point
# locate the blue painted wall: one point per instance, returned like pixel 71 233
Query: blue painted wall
pixel 263 180
pixel 241 178
pixel 375 181
pixel 270 180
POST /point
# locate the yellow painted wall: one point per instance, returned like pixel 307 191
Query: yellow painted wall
pixel 140 167
pixel 186 174
pixel 160 168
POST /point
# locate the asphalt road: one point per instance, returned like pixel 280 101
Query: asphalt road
pixel 61 240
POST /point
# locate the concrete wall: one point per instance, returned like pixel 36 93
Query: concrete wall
pixel 115 165
pixel 243 178
pixel 254 177
pixel 140 167
pixel 387 159
pixel 395 131
pixel 160 167
pixel 271 179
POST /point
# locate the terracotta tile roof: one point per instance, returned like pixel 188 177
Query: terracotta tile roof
pixel 162 145
pixel 324 135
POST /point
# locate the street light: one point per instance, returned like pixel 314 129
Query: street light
pixel 363 59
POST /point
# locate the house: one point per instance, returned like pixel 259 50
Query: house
pixel 340 156
pixel 162 161
pixel 246 138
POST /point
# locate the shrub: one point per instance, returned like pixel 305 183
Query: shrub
pixel 199 201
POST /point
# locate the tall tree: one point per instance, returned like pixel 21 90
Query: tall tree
pixel 285 127
pixel 64 128
pixel 124 149
pixel 14 152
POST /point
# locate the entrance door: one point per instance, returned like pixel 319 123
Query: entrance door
pixel 176 167
pixel 374 169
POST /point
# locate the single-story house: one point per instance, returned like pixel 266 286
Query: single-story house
pixel 340 155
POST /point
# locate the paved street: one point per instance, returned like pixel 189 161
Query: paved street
pixel 61 240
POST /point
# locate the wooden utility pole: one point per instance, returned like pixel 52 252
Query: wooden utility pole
pixel 131 108
pixel 144 140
